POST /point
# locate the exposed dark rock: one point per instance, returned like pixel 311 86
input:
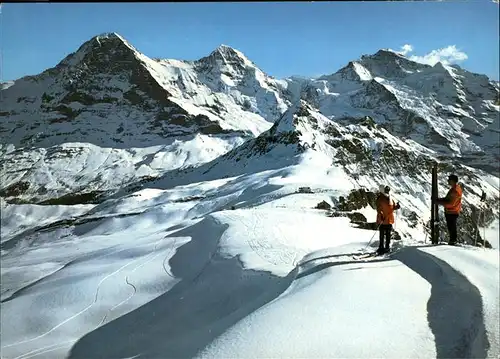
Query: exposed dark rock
pixel 189 199
pixel 357 199
pixel 323 205
pixel 94 197
pixel 15 189
pixel 355 217
pixel 80 97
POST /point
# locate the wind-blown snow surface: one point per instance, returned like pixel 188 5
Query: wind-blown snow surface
pixel 173 273
pixel 20 218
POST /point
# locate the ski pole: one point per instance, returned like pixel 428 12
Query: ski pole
pixel 477 234
pixel 372 237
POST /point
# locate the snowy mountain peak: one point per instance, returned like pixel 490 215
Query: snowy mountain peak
pixel 439 65
pixel 446 70
pixel 387 53
pixel 106 47
pixel 389 64
pixel 231 53
pixel 109 35
pixel 113 37
pixel 227 50
pixel 226 56
pixel 389 56
pixel 384 63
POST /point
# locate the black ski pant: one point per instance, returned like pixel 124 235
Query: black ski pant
pixel 385 233
pixel 451 223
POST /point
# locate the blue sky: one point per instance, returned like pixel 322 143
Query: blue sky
pixel 283 39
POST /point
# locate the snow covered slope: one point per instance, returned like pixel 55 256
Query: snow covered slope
pixel 73 173
pixel 313 150
pixel 174 273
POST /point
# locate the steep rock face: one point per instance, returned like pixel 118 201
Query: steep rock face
pixel 354 71
pixel 101 94
pixel 228 70
pixel 228 85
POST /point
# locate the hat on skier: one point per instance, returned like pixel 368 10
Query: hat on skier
pixel 453 178
pixel 384 189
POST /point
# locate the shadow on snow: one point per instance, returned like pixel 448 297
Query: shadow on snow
pixel 214 293
pixel 455 307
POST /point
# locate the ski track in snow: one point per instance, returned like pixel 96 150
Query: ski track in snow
pixel 262 248
pixel 48 349
pixel 273 251
pixel 77 314
pixel 46 279
pixel 57 346
pixel 152 255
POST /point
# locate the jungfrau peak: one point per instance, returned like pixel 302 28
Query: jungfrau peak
pixel 389 64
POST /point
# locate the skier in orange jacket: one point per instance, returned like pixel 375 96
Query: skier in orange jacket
pixel 452 207
pixel 385 218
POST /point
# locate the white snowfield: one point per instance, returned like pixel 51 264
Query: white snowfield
pixel 175 273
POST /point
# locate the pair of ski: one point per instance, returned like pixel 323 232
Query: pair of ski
pixel 374 255
pixel 447 244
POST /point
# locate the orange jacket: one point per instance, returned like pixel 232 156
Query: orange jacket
pixel 453 201
pixel 385 209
